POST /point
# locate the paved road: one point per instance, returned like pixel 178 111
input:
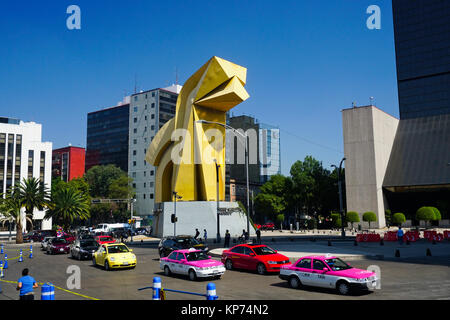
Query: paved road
pixel 405 278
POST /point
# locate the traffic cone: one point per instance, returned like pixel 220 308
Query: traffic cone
pixel 6 262
pixel 1 270
pixel 31 252
pixel 20 256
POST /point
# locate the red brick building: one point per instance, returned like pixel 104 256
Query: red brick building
pixel 68 163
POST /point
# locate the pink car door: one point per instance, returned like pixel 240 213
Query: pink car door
pixel 319 277
pixel 304 271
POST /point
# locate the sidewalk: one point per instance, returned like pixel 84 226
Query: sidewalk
pixel 347 250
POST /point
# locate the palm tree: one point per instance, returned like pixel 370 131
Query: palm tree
pixel 11 207
pixel 34 194
pixel 68 204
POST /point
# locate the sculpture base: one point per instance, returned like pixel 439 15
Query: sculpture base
pixel 200 215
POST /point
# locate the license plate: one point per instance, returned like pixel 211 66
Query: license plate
pixel 61 249
pixel 125 263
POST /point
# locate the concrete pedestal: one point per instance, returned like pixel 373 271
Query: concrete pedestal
pixel 200 215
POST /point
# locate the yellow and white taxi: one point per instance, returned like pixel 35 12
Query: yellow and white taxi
pixel 114 256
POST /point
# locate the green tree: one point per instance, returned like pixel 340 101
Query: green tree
pixel 398 218
pixel 67 205
pixel 369 217
pixel 388 217
pixel 100 179
pixel 425 214
pixel 336 219
pixel 280 219
pixel 271 200
pixel 34 194
pixel 12 203
pixel 352 217
pixel 437 214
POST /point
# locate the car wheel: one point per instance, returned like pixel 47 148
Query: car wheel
pixel 294 282
pixel 229 264
pixel 192 275
pixel 79 256
pixel 343 288
pixel 260 268
pixel 107 268
pixel 167 271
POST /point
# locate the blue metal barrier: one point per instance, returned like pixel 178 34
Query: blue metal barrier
pixel 6 262
pixel 31 252
pixel 157 290
pixel 20 256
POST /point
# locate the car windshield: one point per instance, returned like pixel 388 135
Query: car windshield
pixel 59 241
pixel 88 244
pixel 117 249
pixel 105 238
pixel 186 242
pixel 337 264
pixel 262 251
pixel 197 256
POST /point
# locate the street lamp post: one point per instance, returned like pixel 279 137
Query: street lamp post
pixel 244 136
pixel 341 208
pixel 177 197
pixel 218 204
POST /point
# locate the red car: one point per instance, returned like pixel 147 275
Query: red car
pixel 268 226
pixel 254 257
pixel 104 239
pixel 69 238
pixel 58 245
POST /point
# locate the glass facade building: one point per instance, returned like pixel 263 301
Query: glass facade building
pixel 107 137
pixel 422 45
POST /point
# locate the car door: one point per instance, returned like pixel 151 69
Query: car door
pixel 236 255
pixel 319 276
pixel 101 256
pixel 248 260
pixel 182 267
pixel 171 262
pixel 304 271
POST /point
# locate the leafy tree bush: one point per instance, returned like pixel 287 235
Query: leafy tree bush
pixel 352 217
pixel 425 214
pixel 388 217
pixel 437 214
pixel 369 217
pixel 398 218
pixel 280 218
pixel 336 220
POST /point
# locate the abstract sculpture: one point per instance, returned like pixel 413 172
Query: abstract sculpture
pixel 185 151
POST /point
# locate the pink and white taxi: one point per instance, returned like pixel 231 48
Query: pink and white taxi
pixel 327 272
pixel 192 262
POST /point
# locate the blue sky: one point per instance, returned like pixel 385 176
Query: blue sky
pixel 306 60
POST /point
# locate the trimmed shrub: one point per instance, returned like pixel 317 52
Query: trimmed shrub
pixel 369 217
pixel 336 220
pixel 425 214
pixel 352 217
pixel 437 214
pixel 398 218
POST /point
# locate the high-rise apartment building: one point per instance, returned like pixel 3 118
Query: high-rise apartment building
pixel 149 111
pixel 23 155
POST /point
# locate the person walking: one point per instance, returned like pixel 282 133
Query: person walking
pixel 258 236
pixel 26 284
pixel 400 235
pixel 197 233
pixel 227 239
pixel 205 235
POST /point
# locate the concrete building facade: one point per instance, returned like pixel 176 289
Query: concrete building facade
pixel 23 155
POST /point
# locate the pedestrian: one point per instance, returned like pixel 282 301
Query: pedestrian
pixel 197 233
pixel 227 239
pixel 400 235
pixel 26 284
pixel 258 236
pixel 205 234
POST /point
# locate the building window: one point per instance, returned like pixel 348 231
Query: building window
pixel 153 105
pixel 134 185
pixel 134 152
pixel 151 184
pixel 152 172
pixel 135 141
pixel 145 184
pixel 145 173
pixel 145 118
pixel 153 94
pixel 145 107
pixel 135 98
pixel 30 163
pixel 144 195
pixel 151 195
pixel 42 168
pixel 135 120
pixel 134 130
pixel 18 158
pixel 153 116
pixel 134 163
pixel 133 174
pixel 135 109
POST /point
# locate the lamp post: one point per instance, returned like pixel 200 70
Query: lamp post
pixel 244 136
pixel 218 204
pixel 341 208
pixel 176 196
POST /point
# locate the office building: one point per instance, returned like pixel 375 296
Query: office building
pixel 149 111
pixel 409 158
pixel 23 155
pixel 68 163
pixel 107 136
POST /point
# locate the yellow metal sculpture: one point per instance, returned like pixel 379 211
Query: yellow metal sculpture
pixel 186 151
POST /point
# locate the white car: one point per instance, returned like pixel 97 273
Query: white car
pixel 328 272
pixel 44 243
pixel 192 262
